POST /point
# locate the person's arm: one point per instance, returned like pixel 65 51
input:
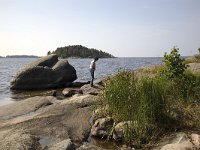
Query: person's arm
pixel 94 66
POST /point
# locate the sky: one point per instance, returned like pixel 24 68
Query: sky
pixel 124 28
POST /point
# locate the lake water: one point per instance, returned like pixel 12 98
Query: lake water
pixel 105 67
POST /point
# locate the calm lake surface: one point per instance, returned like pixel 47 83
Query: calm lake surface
pixel 107 66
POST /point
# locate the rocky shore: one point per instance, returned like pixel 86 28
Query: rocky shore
pixel 44 122
pixel 48 123
pixel 51 123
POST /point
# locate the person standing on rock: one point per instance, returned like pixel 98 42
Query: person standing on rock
pixel 93 68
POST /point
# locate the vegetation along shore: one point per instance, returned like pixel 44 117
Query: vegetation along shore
pixel 156 107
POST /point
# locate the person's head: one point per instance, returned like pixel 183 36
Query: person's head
pixel 96 58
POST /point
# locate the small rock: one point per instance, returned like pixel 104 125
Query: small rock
pixel 125 147
pixel 119 130
pixel 196 140
pixel 102 127
pixel 87 89
pixel 70 92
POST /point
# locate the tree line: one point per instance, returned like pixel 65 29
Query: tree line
pixel 80 52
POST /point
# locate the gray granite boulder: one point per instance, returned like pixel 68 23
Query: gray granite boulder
pixel 102 127
pixel 46 72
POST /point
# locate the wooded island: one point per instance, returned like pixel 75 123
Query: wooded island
pixel 79 51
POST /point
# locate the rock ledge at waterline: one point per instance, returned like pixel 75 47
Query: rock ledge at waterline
pixel 45 118
pixel 46 72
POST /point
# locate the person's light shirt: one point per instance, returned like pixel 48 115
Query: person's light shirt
pixel 92 65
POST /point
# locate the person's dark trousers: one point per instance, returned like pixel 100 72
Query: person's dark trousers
pixel 92 75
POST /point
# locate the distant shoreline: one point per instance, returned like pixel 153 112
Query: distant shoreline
pixel 21 56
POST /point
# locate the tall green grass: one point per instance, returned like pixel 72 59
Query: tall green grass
pixel 148 103
pixel 140 101
pixel 189 87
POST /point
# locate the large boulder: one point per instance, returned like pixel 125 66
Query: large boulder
pixel 46 72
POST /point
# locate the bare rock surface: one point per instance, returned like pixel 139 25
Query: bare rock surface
pixel 93 90
pixel 18 140
pixel 87 146
pixel 194 67
pixel 49 118
pixel 176 141
pixel 68 92
pixel 25 106
pixel 63 145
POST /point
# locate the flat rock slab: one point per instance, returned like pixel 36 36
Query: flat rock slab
pixel 87 146
pixel 25 106
pixel 18 140
pixel 176 141
pixel 68 92
pixel 63 145
pixel 61 120
pixel 93 90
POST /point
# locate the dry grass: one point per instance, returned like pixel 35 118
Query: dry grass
pixel 194 59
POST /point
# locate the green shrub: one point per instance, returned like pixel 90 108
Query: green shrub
pixel 174 64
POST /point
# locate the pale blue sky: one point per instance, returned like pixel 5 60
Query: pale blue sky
pixel 124 28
